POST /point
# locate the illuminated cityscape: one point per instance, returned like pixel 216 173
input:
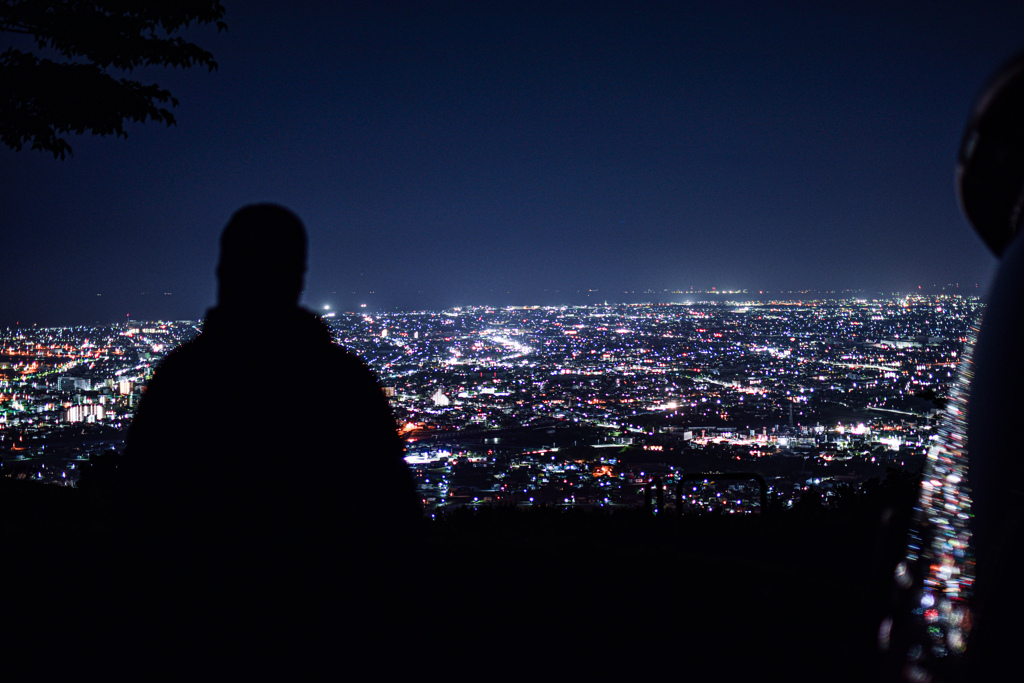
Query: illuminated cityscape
pixel 936 576
pixel 577 406
pixel 677 414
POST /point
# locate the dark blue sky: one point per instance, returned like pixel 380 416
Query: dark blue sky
pixel 446 154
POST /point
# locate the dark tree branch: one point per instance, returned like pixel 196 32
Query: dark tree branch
pixel 42 99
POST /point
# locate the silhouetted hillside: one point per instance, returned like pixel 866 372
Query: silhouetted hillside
pixel 800 591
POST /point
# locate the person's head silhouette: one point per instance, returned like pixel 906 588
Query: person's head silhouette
pixel 262 258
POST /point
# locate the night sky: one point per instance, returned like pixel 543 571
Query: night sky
pixel 455 154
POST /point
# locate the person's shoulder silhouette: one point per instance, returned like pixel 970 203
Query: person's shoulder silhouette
pixel 261 432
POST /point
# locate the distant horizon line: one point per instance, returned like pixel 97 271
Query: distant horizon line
pixel 366 308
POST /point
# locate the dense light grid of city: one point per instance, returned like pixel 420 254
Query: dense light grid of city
pixel 582 406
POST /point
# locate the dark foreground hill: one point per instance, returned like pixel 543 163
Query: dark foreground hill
pixel 584 594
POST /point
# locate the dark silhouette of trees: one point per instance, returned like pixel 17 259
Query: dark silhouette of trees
pixel 75 91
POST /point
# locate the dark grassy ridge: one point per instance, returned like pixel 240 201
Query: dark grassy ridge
pixel 800 592
pixel 775 594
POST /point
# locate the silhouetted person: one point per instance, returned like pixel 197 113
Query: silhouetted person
pixel 991 187
pixel 260 445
